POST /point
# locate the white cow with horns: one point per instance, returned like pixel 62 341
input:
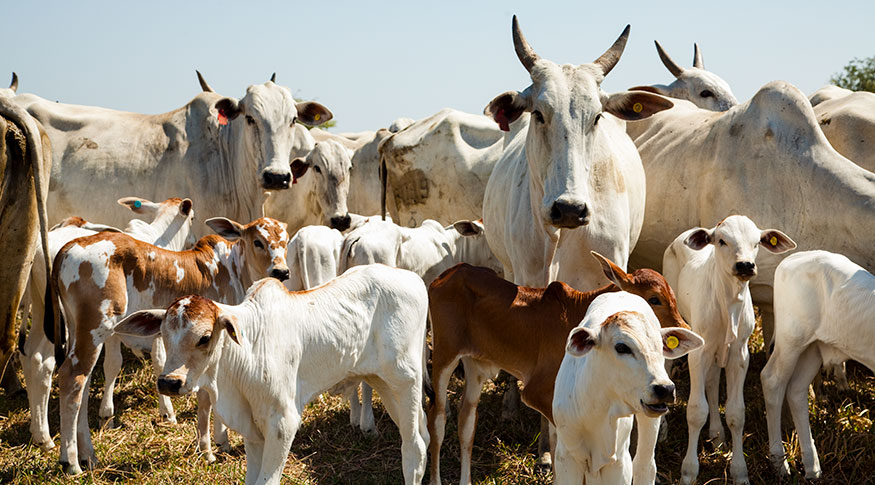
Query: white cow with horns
pixel 221 152
pixel 570 180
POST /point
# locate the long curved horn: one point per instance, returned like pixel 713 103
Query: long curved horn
pixel 14 84
pixel 523 50
pixel 273 78
pixel 206 87
pixel 697 57
pixel 611 56
pixel 673 68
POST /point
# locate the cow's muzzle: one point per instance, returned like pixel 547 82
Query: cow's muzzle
pixel 745 270
pixel 275 181
pixel 281 274
pixel 340 223
pixel 568 216
pixel 169 386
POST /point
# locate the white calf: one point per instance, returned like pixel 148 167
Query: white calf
pixel 170 228
pixel 427 250
pixel 710 270
pixel 613 369
pixel 262 361
pixel 824 313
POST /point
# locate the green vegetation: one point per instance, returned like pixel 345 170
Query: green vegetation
pixel 857 75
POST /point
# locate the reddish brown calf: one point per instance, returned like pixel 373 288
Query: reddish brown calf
pixel 491 324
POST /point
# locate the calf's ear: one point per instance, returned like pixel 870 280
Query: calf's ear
pixel 613 272
pixel 507 107
pixel 144 323
pixel 776 241
pixel 698 239
pixel 634 105
pixel 185 207
pixel 677 342
pixel 225 227
pixel 140 206
pixel 299 167
pixel 228 322
pixel 580 341
pixel 468 228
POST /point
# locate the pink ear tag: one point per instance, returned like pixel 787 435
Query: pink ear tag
pixel 503 125
pixel 294 179
pixel 223 120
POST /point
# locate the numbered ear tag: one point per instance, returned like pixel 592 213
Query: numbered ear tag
pixel 672 342
pixel 317 117
pixel 223 120
pixel 773 241
pixel 138 204
pixel 637 107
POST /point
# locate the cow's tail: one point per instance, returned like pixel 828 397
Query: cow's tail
pixel 34 155
pixel 53 323
pixel 383 182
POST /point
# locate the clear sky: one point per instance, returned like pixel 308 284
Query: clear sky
pixel 371 62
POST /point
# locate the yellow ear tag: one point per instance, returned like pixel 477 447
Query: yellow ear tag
pixel 773 241
pixel 317 117
pixel 637 107
pixel 672 342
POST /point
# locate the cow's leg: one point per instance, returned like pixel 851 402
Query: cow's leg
pixel 568 470
pixel 644 464
pixel 700 363
pixel 716 432
pixel 840 373
pixel 545 458
pixel 797 399
pixel 204 406
pixel 366 421
pixel 355 407
pixel 220 434
pixel 38 362
pixel 736 370
pixel 774 378
pixel 510 402
pixel 402 398
pixel 442 371
pixel 112 365
pixel 278 440
pixel 254 458
pixel 159 357
pixel 475 377
pixel 73 378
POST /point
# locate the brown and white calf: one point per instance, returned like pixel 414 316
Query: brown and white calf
pixel 106 276
pixel 491 324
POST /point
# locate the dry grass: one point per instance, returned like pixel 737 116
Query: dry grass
pixel 327 450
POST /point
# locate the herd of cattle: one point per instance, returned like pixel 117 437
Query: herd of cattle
pixel 559 189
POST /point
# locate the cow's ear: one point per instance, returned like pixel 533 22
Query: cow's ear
pixel 650 89
pixel 228 322
pixel 227 109
pixel 299 167
pixel 140 206
pixel 699 238
pixel 634 105
pixel 225 227
pixel 507 107
pixel 144 323
pixel 776 241
pixel 613 272
pixel 312 113
pixel 678 342
pixel 580 341
pixel 185 207
pixel 468 228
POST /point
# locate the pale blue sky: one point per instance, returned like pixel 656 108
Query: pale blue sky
pixel 372 62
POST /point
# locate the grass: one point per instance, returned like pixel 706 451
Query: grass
pixel 328 451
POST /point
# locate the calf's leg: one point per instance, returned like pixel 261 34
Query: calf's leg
pixel 112 365
pixel 797 399
pixel 475 377
pixel 442 370
pixel 774 378
pixel 736 370
pixel 700 363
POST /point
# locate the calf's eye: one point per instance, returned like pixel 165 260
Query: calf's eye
pixel 203 341
pixel 317 169
pixel 258 244
pixel 622 348
pixel 538 116
pixel 654 301
pixel 722 242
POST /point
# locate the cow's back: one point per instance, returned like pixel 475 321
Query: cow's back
pixel 849 124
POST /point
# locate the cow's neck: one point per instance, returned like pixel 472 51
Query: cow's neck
pixel 224 270
pixel 579 302
pixel 238 175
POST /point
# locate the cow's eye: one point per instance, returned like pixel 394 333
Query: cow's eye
pixel 317 169
pixel 654 301
pixel 538 116
pixel 258 244
pixel 622 348
pixel 294 120
pixel 597 118
pixel 204 340
pixel 706 94
pixel 722 242
pixel 250 120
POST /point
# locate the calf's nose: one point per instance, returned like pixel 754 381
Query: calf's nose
pixel 341 223
pixel 665 393
pixel 169 385
pixel 281 274
pixel 745 268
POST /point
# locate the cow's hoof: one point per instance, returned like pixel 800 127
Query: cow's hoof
pixel 168 419
pixel 224 447
pixel 210 457
pixel 545 460
pixel 109 423
pixel 370 433
pixel 71 468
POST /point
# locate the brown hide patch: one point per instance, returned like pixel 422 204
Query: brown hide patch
pixel 648 283
pixel 195 309
pixel 411 189
pixel 89 144
pixel 72 221
pixel 621 319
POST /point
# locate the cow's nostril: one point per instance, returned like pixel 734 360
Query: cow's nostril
pixel 273 180
pixel 280 274
pixel 341 223
pixel 664 392
pixel 170 386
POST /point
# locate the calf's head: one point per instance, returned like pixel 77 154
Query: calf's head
pixel 263 245
pixel 736 242
pixel 192 329
pixel 625 348
pixel 329 164
pixel 172 219
pixel 564 137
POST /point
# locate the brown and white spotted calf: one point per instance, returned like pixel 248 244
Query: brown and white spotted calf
pixel 106 276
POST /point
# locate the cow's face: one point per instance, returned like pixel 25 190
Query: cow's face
pixel 191 329
pixel 171 221
pixel 704 89
pixel 564 135
pixel 263 244
pixel 328 165
pixel 266 119
pixel 736 242
pixel 627 349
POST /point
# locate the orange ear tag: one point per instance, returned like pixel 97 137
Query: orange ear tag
pixel 773 241
pixel 672 342
pixel 223 120
pixel 637 107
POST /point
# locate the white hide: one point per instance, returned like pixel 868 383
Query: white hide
pixel 710 271
pixel 598 390
pixel 849 124
pixel 824 314
pixel 827 93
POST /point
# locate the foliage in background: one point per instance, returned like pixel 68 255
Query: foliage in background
pixel 857 75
